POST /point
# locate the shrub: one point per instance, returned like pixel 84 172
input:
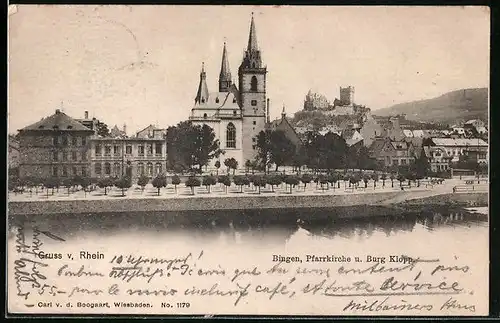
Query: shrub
pixel 142 181
pixel 259 181
pixel 225 180
pixel 192 182
pixel 209 181
pixel 123 183
pixel 274 180
pixel 240 181
pixel 159 182
pixel 292 180
pixel 105 183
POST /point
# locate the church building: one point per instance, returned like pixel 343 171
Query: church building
pixel 236 112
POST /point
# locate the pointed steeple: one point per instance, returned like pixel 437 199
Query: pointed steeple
pixel 202 94
pixel 252 38
pixel 225 73
pixel 283 113
pixel 252 58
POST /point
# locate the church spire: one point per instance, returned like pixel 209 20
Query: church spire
pixel 252 58
pixel 225 73
pixel 252 38
pixel 202 94
pixel 283 113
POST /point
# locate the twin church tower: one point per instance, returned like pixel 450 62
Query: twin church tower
pixel 237 113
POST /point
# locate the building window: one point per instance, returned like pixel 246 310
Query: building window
pixel 150 169
pixel 65 156
pixel 55 156
pixel 65 171
pixel 140 168
pixel 54 141
pixel 158 168
pixel 150 149
pixel 74 155
pixel 204 115
pixel 395 162
pixel 64 141
pixel 84 141
pixel 84 155
pixel 254 102
pixel 74 141
pixel 231 136
pixel 75 171
pixel 116 169
pixel 234 112
pixel 54 171
pixel 116 150
pixel 107 169
pixel 158 149
pixel 84 171
pixel 98 169
pixel 234 100
pixel 403 161
pixel 107 151
pixel 98 150
pixel 128 150
pixel 254 123
pixel 216 100
pixel 253 84
pixel 141 150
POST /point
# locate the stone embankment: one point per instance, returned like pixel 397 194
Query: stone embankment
pixel 411 199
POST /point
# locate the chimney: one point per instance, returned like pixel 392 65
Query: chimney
pixel 268 120
pixel 124 128
pixel 86 115
pixel 58 111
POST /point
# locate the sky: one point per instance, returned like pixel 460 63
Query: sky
pixel 140 65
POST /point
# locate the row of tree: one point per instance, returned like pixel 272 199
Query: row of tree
pixel 325 181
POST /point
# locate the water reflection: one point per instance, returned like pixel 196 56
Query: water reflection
pixel 265 227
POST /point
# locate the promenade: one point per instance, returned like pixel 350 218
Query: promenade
pixel 219 197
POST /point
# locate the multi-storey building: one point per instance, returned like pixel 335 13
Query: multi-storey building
pixel 55 146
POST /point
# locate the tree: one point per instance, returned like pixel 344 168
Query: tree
pixel 51 183
pixel 248 165
pixel 383 177
pixel 85 183
pixel 274 180
pixel 323 180
pixel 209 181
pixel 366 178
pixel 142 181
pixel 123 183
pixel 292 180
pixel 401 179
pixel 191 145
pixel 175 181
pixel 274 147
pixel 332 179
pixel 392 177
pixel 225 180
pixel 192 182
pixel 375 179
pixel 217 166
pixel 259 181
pixel 68 183
pixel 102 129
pixel 159 181
pixel 240 181
pixel 306 179
pixel 105 183
pixel 231 163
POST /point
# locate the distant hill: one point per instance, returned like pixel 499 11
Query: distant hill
pixel 452 107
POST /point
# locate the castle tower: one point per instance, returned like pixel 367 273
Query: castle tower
pixel 202 94
pixel 252 86
pixel 225 80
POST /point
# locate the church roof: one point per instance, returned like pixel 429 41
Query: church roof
pixel 59 121
pixel 219 100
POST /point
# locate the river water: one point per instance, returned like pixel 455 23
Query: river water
pixel 250 238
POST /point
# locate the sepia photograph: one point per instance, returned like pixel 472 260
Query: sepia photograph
pixel 248 160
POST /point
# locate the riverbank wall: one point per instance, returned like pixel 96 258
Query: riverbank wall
pixel 244 202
